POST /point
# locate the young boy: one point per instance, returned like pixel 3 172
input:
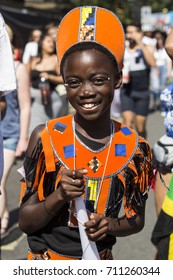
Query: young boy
pixel 86 154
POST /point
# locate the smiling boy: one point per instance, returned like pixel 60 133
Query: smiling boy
pixel 86 154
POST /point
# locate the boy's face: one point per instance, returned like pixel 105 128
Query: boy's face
pixel 90 83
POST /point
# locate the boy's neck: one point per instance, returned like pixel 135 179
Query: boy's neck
pixel 97 129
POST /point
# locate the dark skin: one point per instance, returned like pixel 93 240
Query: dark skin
pixel 91 96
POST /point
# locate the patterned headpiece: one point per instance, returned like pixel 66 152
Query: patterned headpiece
pixel 94 24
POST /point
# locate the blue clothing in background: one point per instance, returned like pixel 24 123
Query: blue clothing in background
pixel 10 125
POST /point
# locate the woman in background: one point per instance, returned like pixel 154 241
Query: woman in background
pixel 14 127
pixel 160 74
pixel 44 67
pixel 31 47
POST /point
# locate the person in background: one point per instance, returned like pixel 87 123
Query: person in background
pixel 163 156
pixel 14 128
pixel 46 104
pixel 86 155
pixel 7 77
pixel 135 94
pixel 31 47
pixel 147 38
pixel 163 150
pixel 162 233
pixel 162 73
pixel 51 30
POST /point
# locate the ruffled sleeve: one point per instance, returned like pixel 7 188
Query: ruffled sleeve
pixel 138 176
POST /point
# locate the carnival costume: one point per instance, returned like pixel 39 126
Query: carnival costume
pixel 119 171
pixel 126 178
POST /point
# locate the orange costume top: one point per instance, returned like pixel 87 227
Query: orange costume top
pixel 119 171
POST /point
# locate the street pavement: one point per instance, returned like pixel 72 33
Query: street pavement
pixel 134 247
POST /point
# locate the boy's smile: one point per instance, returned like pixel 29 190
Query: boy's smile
pixel 89 80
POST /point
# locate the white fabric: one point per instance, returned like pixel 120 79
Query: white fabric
pixel 7 70
pixel 130 57
pixel 149 41
pixel 163 152
pixel 31 49
pixel 161 57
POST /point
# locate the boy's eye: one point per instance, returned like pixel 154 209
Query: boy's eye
pixel 99 81
pixel 73 84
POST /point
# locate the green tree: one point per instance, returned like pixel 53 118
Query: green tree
pixel 119 7
pixel 127 11
pixel 158 6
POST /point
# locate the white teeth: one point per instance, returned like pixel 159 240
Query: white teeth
pixel 88 106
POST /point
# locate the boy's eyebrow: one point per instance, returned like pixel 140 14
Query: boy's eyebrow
pixel 92 75
pixel 72 76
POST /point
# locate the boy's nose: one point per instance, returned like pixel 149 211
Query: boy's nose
pixel 86 88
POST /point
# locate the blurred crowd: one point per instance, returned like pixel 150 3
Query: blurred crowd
pixel 39 57
pixel 159 67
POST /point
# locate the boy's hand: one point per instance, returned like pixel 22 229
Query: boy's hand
pixel 72 183
pixel 97 227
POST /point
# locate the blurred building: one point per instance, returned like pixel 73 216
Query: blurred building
pixel 156 21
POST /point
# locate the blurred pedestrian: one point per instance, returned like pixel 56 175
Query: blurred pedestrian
pixel 135 94
pixel 7 75
pixel 163 154
pixel 161 74
pixel 31 47
pixel 147 38
pixel 163 149
pixel 51 30
pixel 46 104
pixel 14 127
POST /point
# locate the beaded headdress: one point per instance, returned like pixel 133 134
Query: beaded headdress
pixel 95 24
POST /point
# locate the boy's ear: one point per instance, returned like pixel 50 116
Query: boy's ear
pixel 118 80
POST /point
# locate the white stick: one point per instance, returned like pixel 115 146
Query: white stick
pixel 88 247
